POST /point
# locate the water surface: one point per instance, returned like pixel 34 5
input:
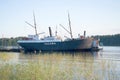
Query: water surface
pixel 102 65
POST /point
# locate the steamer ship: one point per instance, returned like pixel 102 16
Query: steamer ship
pixel 53 43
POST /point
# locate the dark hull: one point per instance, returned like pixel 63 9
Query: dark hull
pixel 71 45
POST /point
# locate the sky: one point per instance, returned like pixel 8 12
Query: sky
pixel 97 17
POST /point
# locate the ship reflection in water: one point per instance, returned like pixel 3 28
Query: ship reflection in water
pixel 93 55
pixel 18 57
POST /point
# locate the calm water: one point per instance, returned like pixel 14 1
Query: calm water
pixel 109 55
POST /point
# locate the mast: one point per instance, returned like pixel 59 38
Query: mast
pixel 70 26
pixel 34 26
pixel 69 31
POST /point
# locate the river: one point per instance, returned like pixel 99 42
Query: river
pixel 79 65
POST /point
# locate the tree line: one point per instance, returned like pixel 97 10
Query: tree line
pixel 9 41
pixel 106 40
pixel 110 40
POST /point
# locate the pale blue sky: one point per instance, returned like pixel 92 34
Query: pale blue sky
pixel 97 17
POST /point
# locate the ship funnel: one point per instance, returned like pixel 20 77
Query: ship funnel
pixel 50 31
pixel 84 34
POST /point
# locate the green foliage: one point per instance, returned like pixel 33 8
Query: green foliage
pixel 9 41
pixel 110 40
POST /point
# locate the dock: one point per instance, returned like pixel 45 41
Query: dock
pixel 10 48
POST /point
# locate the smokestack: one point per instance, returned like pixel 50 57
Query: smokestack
pixel 84 34
pixel 50 31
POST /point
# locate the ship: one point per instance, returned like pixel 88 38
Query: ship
pixel 54 43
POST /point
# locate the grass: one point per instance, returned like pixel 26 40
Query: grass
pixel 56 67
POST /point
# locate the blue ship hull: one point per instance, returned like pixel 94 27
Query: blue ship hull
pixel 70 45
